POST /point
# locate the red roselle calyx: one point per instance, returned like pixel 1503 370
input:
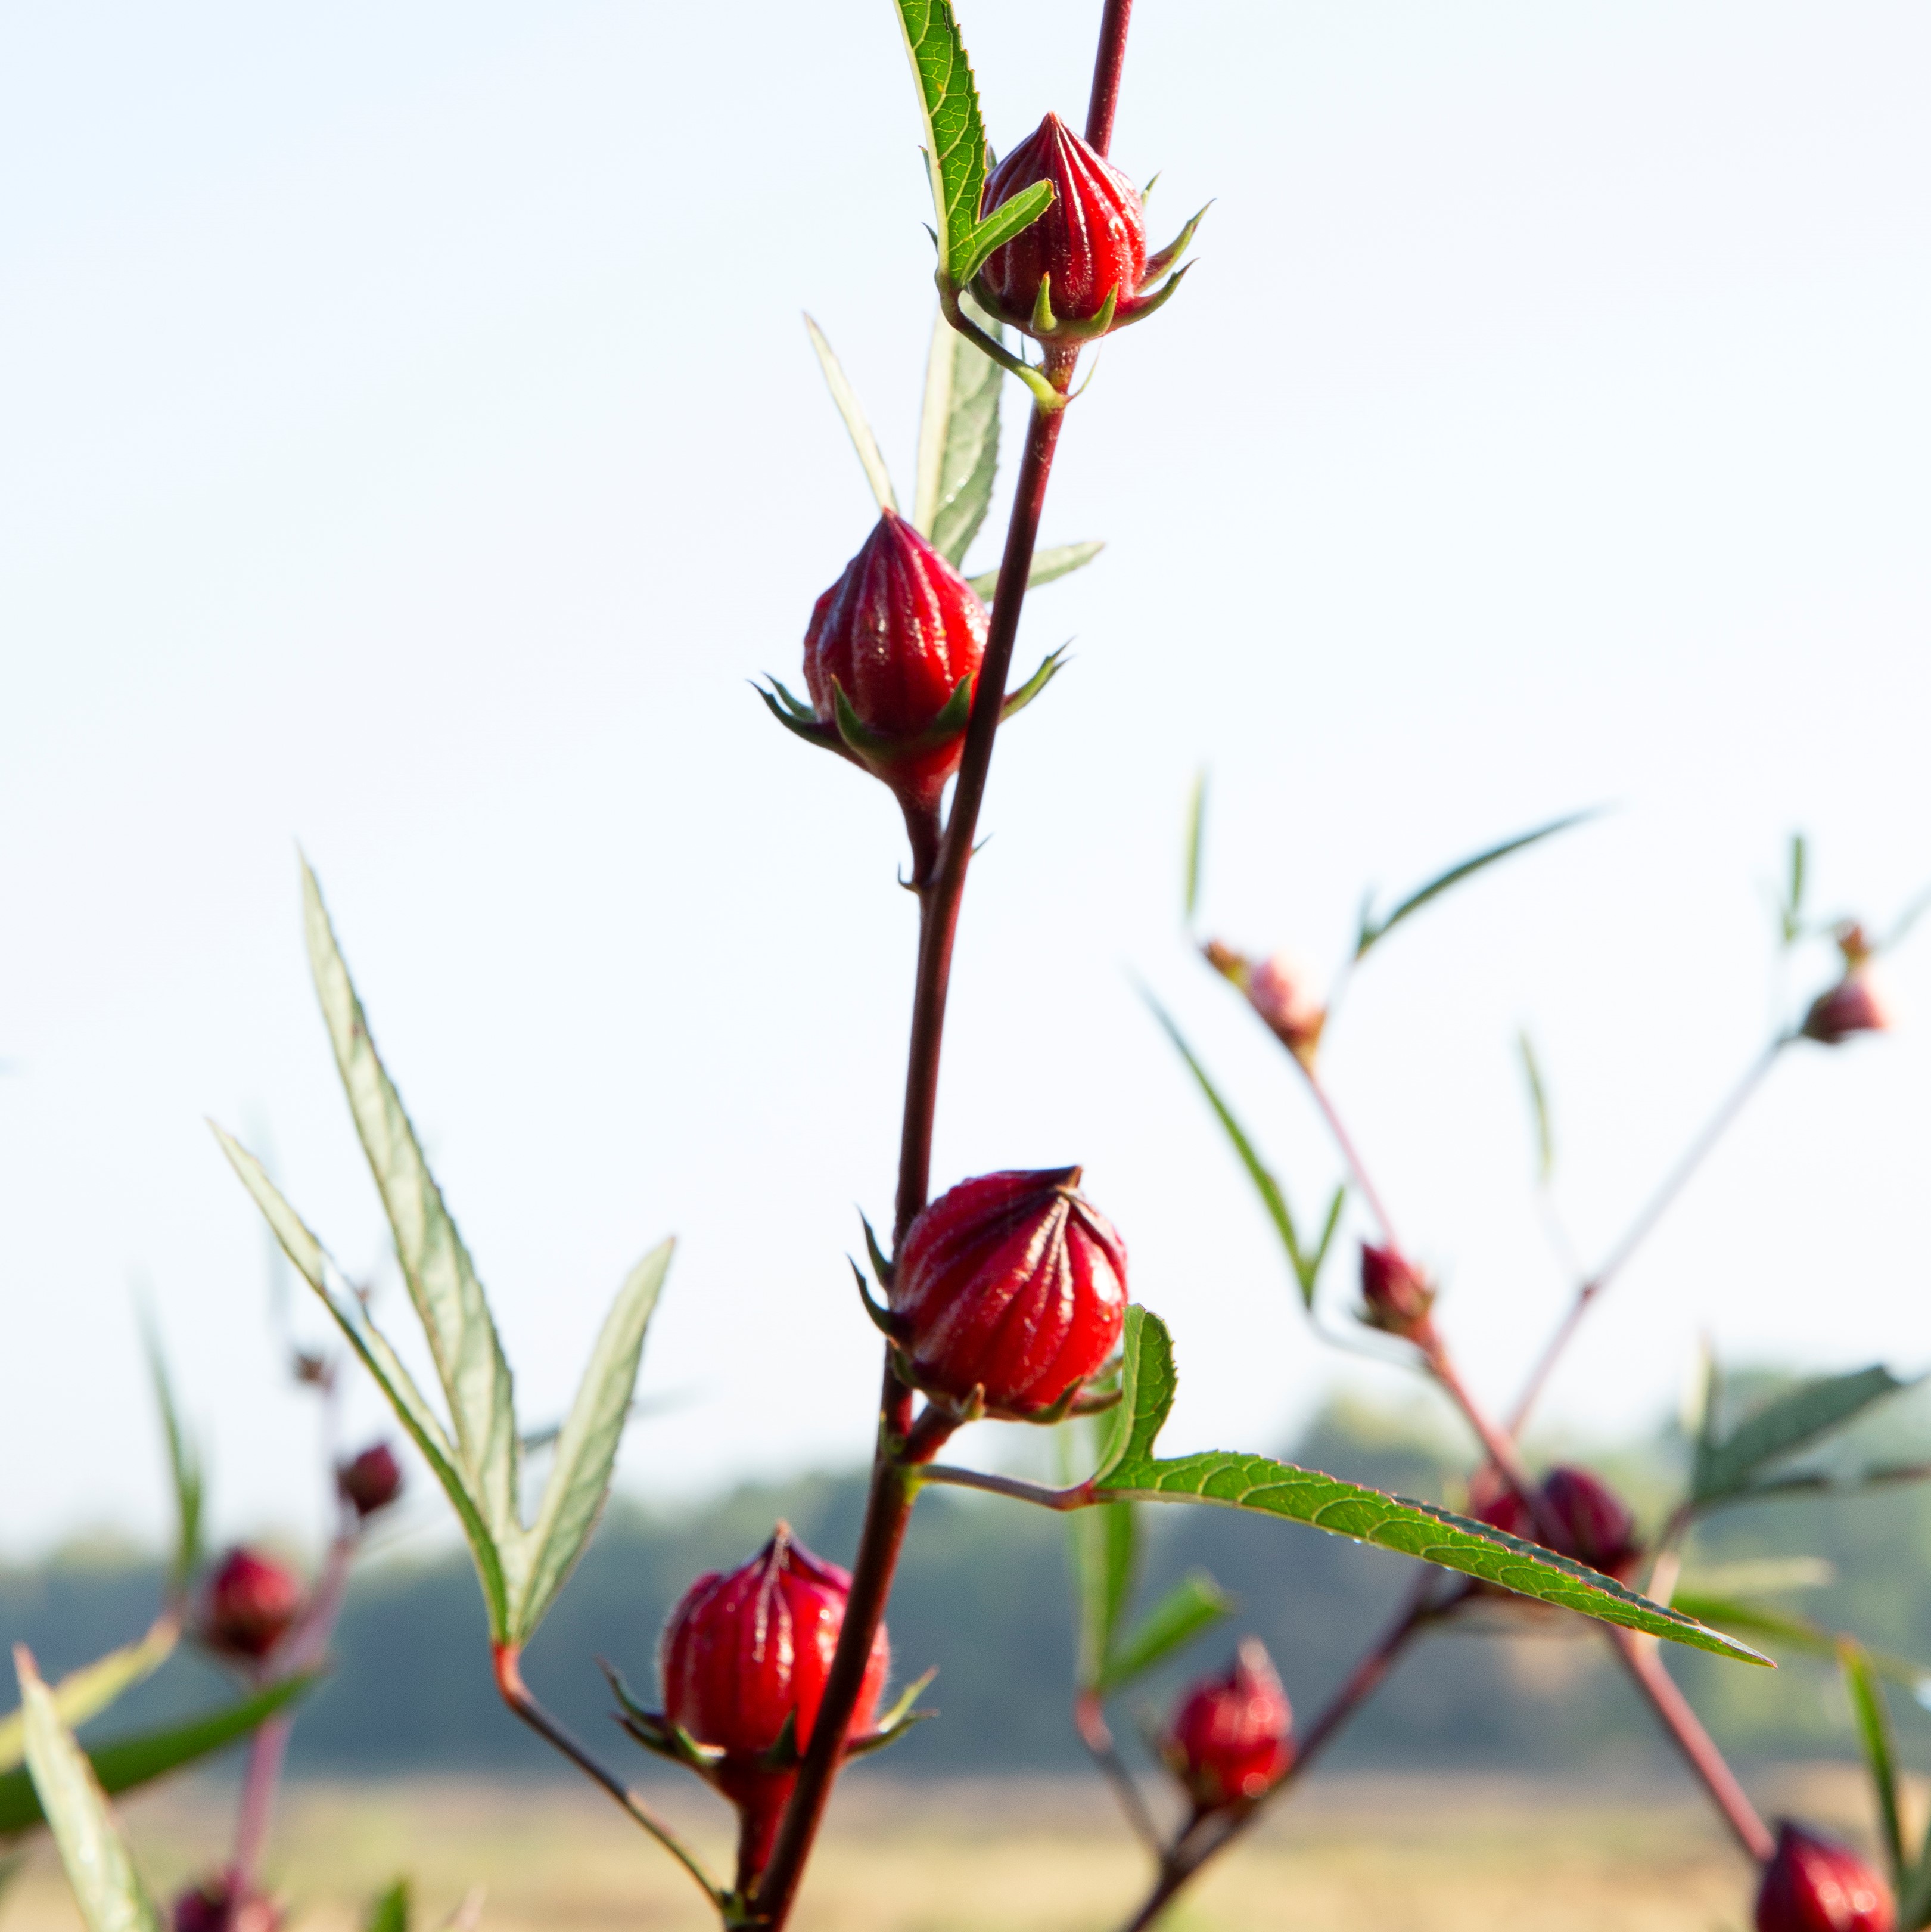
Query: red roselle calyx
pixel 370 1481
pixel 247 1606
pixel 1010 1292
pixel 746 1654
pixel 1396 1295
pixel 1597 1528
pixel 1854 1005
pixel 1811 1885
pixel 1081 269
pixel 1231 1741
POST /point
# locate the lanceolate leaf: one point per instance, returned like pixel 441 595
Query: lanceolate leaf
pixel 1788 1423
pixel 184 1466
pixel 1057 560
pixel 441 1276
pixel 1544 1136
pixel 1106 1544
pixel 856 427
pixel 99 1868
pixel 1196 831
pixel 1874 1734
pixel 87 1692
pixel 1129 1471
pixel 1195 1603
pixel 123 1763
pixel 958 437
pixel 580 1479
pixel 1373 930
pixel 390 1912
pixel 1779 1629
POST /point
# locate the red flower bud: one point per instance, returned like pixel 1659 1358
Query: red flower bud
pixel 744 1653
pixel 1396 1296
pixel 897 638
pixel 1231 1741
pixel 372 1480
pixel 247 1606
pixel 1813 1885
pixel 212 1906
pixel 1281 990
pixel 1853 1005
pixel 1011 1285
pixel 1597 1528
pixel 1081 268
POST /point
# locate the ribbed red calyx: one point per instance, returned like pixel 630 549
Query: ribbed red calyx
pixel 1013 1285
pixel 371 1480
pixel 898 633
pixel 1812 1885
pixel 247 1606
pixel 1854 1005
pixel 1396 1296
pixel 1230 1740
pixel 746 1650
pixel 1597 1528
pixel 1091 242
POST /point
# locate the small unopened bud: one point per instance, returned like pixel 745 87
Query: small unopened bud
pixel 212 1906
pixel 1011 1287
pixel 746 1652
pixel 1854 1005
pixel 1597 1528
pixel 1396 1296
pixel 1230 1740
pixel 247 1606
pixel 372 1480
pixel 1281 990
pixel 1811 1885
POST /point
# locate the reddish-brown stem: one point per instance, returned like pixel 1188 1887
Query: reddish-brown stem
pixel 1642 1658
pixel 1639 1230
pixel 517 1694
pixel 1106 69
pixel 1357 1167
pixel 1089 1720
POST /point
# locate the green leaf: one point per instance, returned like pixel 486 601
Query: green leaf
pixel 580 1479
pixel 1105 1546
pixel 1372 932
pixel 1793 906
pixel 1130 1471
pixel 1007 220
pixel 1544 1135
pixel 1787 1423
pixel 856 427
pixel 1196 830
pixel 1195 1603
pixel 1808 1638
pixel 958 437
pixel 1306 1267
pixel 381 1361
pixel 87 1692
pixel 99 1867
pixel 390 1912
pixel 1057 560
pixel 955 152
pixel 1874 1734
pixel 184 1466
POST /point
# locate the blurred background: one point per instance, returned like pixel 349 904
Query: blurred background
pixel 412 450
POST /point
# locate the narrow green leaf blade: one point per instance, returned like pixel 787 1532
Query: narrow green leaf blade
pixel 1195 1603
pixel 127 1762
pixel 580 1479
pixel 99 1868
pixel 184 1466
pixel 870 456
pixel 958 437
pixel 381 1361
pixel 1800 1634
pixel 955 132
pixel 1130 1471
pixel 441 1278
pixel 390 1912
pixel 1196 832
pixel 1788 1422
pixel 1000 226
pixel 85 1693
pixel 1105 1558
pixel 1880 1750
pixel 1057 560
pixel 1544 1133
pixel 1372 933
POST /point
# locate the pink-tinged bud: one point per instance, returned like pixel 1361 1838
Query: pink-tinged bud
pixel 212 1906
pixel 1811 1885
pixel 372 1480
pixel 1854 1005
pixel 898 638
pixel 1281 990
pixel 745 1653
pixel 247 1606
pixel 1011 1288
pixel 1396 1297
pixel 1597 1528
pixel 1231 1738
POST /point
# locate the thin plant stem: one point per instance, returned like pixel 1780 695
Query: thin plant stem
pixel 1350 1154
pixel 1106 70
pixel 267 1750
pixel 517 1694
pixel 1089 1720
pixel 1638 1230
pixel 1017 1487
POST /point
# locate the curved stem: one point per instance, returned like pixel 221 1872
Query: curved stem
pixel 1089 1720
pixel 1079 1497
pixel 517 1694
pixel 1350 1154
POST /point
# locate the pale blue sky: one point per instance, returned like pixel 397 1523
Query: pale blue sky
pixel 411 448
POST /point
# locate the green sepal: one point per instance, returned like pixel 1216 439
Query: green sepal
pixel 782 1753
pixel 655 1732
pixel 1158 265
pixel 1044 322
pixel 887 1324
pixel 884 1269
pixel 800 724
pixel 896 1722
pixel 1017 701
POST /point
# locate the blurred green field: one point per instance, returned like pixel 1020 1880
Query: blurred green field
pixel 1356 1853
